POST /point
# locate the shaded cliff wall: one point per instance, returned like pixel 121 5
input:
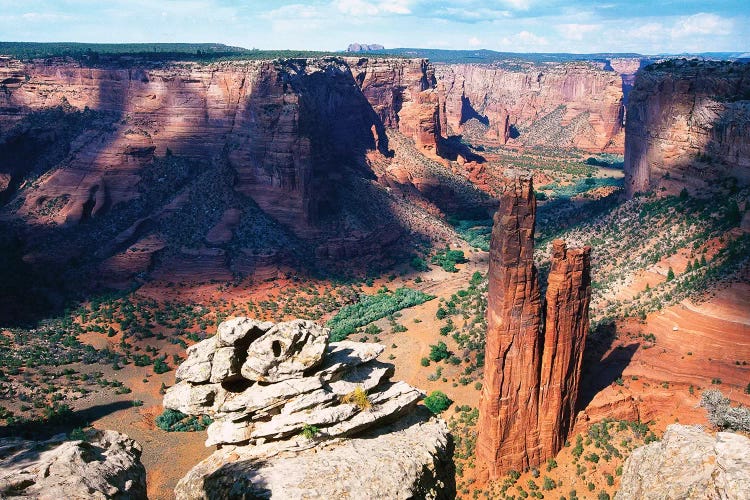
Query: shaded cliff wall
pixel 290 129
pixel 688 124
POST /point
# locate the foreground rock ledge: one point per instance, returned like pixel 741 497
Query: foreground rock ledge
pixel 408 459
pixel 297 417
pixel 688 463
pixel 105 465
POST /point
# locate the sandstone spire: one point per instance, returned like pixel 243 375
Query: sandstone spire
pixel 532 370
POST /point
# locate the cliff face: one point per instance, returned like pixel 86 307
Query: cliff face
pixel 551 105
pixel 287 128
pixel 532 372
pixel 688 122
pixel 404 95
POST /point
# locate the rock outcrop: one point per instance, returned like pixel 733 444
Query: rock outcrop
pixel 532 370
pixel 106 464
pixel 407 459
pixel 283 399
pixel 688 124
pixel 404 95
pixel 551 105
pixel 688 463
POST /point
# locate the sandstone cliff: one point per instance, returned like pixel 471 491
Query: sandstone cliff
pixel 551 105
pixel 404 95
pixel 532 371
pixel 688 124
pixel 299 417
pixel 688 463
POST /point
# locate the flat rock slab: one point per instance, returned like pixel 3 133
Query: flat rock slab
pixel 409 459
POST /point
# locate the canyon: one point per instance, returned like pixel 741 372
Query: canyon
pixel 146 202
pixel 532 362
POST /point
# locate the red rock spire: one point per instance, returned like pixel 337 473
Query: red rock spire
pixel 531 379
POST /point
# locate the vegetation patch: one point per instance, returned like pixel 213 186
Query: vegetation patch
pixel 437 402
pixel 176 421
pixel 373 307
pixel 447 259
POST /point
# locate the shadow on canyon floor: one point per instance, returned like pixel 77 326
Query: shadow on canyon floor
pixel 62 421
pixel 599 371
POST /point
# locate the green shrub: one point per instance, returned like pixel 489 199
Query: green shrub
pixel 309 431
pixel 371 308
pixel 176 421
pixel 419 264
pixel 437 402
pixel 447 259
pixel 439 352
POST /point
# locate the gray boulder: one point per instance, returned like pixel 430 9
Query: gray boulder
pixel 689 463
pixel 105 465
pixel 285 351
pixel 411 458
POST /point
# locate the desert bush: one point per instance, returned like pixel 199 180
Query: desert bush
pixel 722 414
pixel 437 402
pixel 439 352
pixel 357 397
pixel 176 421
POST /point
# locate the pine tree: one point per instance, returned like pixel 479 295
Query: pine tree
pixel 703 260
pixel 689 267
pixel 670 274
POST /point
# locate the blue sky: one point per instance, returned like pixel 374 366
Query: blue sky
pixel 505 25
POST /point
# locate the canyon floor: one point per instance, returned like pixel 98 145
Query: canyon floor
pixel 656 341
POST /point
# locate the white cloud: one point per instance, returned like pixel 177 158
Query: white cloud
pixel 518 4
pixel 363 8
pixel 475 42
pixel 648 31
pixel 576 31
pixel 523 41
pixel 701 24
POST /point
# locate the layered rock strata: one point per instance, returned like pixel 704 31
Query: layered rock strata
pixel 551 105
pixel 282 398
pixel 688 124
pixel 405 96
pixel 106 464
pixel 689 463
pixel 532 365
pixel 289 128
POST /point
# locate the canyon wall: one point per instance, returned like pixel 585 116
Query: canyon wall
pixel 688 124
pixel 404 95
pixel 288 128
pixel 551 105
pixel 532 366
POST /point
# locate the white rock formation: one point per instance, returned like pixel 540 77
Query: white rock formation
pixel 689 463
pixel 105 465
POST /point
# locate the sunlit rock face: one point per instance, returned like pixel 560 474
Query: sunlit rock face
pixel 532 362
pixel 551 105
